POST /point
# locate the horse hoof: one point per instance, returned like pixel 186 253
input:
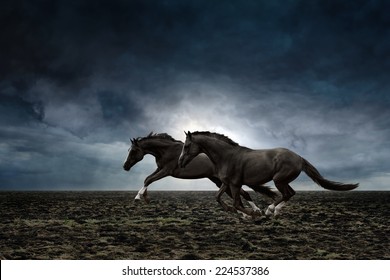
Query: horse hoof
pixel 247 217
pixel 277 214
pixel 258 213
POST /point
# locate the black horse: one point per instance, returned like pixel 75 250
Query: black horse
pixel 237 166
pixel 167 150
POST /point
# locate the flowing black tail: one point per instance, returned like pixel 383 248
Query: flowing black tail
pixel 264 190
pixel 313 173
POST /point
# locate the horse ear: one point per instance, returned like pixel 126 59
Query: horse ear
pixel 132 141
pixel 185 133
pixel 189 134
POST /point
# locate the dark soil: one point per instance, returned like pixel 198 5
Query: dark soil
pixel 191 225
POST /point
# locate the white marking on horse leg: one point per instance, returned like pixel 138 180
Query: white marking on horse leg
pixel 140 192
pixel 254 207
pixel 244 215
pixel 279 207
pixel 270 210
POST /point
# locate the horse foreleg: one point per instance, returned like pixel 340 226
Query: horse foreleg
pixel 156 175
pixel 140 192
pixel 218 196
pixel 248 198
pixel 237 201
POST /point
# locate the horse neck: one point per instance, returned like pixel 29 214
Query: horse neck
pixel 217 150
pixel 156 147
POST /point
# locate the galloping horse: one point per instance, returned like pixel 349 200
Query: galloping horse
pixel 167 150
pixel 237 165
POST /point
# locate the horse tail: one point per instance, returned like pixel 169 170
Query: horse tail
pixel 313 173
pixel 264 190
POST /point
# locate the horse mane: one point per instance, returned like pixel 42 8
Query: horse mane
pixel 164 136
pixel 216 136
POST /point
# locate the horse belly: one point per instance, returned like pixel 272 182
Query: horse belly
pixel 257 172
pixel 256 176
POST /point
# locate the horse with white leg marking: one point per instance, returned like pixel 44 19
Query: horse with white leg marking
pixel 237 165
pixel 167 150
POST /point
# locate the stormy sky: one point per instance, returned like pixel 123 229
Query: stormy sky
pixel 79 78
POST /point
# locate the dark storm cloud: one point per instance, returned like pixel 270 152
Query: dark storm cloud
pixel 151 42
pixel 15 109
pixel 309 75
pixel 68 42
pixel 116 106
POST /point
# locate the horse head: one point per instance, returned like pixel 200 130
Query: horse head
pixel 135 155
pixel 189 152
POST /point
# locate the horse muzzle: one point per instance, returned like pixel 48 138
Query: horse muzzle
pixel 126 166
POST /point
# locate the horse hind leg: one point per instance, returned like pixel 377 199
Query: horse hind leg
pixel 287 192
pixel 279 207
pixel 282 180
pixel 272 207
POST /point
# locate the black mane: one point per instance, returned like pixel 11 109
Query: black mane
pixel 216 136
pixel 164 136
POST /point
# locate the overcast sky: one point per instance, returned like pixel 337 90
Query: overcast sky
pixel 79 78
